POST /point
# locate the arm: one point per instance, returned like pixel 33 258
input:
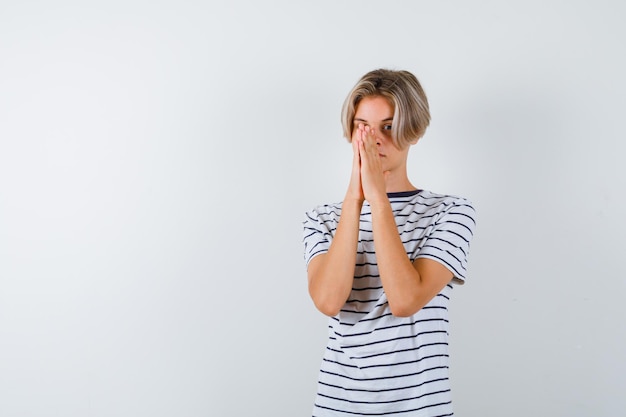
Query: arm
pixel 330 275
pixel 409 286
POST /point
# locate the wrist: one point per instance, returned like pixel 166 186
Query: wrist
pixel 379 202
pixel 355 201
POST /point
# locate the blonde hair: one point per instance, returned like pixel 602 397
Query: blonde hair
pixel 411 115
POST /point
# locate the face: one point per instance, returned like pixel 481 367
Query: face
pixel 377 113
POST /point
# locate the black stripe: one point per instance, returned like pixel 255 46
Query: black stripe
pixel 374 355
pixel 393 339
pixel 387 365
pixel 399 400
pixel 386 377
pixel 387 413
pixel 395 326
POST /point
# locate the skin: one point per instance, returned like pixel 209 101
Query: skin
pixel 378 168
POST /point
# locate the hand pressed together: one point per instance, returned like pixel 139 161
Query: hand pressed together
pixel 367 164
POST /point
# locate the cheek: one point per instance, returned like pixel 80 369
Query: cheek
pixel 386 136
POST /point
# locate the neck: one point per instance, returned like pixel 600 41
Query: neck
pixel 396 184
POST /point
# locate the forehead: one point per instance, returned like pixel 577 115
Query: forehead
pixel 374 108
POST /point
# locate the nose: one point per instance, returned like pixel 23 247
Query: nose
pixel 378 136
pixel 374 133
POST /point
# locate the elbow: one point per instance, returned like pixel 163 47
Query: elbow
pixel 326 304
pixel 330 312
pixel 402 312
pixel 327 307
pixel 403 309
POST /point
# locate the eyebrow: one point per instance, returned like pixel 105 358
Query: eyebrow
pixel 389 119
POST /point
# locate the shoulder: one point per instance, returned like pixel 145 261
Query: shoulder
pixel 442 207
pixel 324 212
pixel 442 202
pixel 437 199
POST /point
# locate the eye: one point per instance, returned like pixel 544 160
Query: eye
pixel 387 128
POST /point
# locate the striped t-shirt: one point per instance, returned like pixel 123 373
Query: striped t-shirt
pixel 377 364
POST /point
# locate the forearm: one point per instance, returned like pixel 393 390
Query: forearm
pixel 401 280
pixel 331 274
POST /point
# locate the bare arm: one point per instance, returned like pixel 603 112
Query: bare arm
pixel 331 274
pixel 409 286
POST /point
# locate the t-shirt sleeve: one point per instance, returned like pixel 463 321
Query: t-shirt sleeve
pixel 449 239
pixel 317 235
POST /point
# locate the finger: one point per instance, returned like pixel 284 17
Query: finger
pixel 362 132
pixel 366 134
pixel 370 137
pixel 370 146
pixel 361 146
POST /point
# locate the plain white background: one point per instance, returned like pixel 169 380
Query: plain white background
pixel 156 159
